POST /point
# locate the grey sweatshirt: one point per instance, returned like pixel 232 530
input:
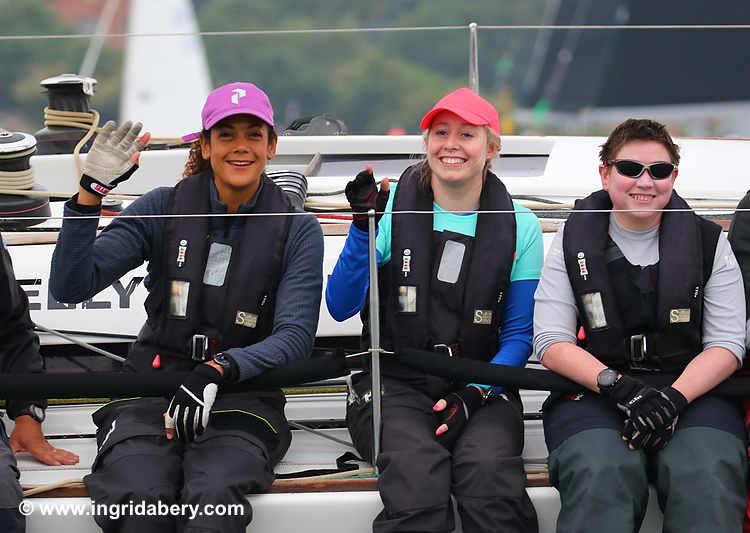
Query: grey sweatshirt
pixel 555 312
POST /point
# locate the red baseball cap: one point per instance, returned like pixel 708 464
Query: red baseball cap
pixel 468 105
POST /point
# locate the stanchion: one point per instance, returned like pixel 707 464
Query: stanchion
pixel 374 337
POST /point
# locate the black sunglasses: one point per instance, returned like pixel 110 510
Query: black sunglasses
pixel 633 169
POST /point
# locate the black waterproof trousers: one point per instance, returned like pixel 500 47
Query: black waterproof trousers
pixel 213 474
pixel 484 470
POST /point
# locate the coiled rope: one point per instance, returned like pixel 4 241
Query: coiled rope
pixel 84 120
pixel 17 180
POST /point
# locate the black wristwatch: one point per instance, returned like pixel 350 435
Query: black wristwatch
pixel 34 411
pixel 225 362
pixel 607 378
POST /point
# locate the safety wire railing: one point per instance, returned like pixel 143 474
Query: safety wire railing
pixel 380 29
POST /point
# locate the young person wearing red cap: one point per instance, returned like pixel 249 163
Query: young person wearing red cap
pixel 460 281
pixel 637 284
pixel 205 313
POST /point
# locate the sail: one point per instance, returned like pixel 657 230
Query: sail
pixel 165 79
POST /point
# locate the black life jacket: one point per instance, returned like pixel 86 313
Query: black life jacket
pixel 673 337
pixel 240 312
pixel 466 313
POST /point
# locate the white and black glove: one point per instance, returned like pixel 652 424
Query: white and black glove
pixel 110 160
pixel 191 405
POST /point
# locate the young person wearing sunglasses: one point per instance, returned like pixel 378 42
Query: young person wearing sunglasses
pixel 457 279
pixel 647 288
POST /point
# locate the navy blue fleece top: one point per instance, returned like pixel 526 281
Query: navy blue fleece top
pixel 84 264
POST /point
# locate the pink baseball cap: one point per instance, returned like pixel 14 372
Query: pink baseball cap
pixel 238 98
pixel 469 106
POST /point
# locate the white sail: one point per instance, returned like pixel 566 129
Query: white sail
pixel 165 79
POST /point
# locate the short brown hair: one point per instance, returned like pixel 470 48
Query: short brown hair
pixel 638 129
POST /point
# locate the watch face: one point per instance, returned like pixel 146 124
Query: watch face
pixel 221 360
pixel 35 412
pixel 38 413
pixel 606 378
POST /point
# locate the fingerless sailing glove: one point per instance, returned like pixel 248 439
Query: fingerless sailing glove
pixel 110 161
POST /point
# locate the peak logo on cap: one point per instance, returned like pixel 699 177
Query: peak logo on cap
pixel 237 94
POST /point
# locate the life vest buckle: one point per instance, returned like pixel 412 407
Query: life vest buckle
pixel 199 347
pixel 453 350
pixel 638 348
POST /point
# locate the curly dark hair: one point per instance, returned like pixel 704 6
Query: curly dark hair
pixel 638 129
pixel 195 162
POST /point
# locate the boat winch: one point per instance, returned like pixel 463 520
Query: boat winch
pixel 17 184
pixel 68 119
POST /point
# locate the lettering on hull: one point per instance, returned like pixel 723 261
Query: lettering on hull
pixel 33 288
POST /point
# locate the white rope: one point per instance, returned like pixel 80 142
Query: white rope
pixel 65 483
pixel 322 31
pixel 17 180
pixel 84 120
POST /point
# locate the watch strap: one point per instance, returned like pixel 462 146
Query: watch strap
pixel 34 411
pixel 225 361
pixel 16 407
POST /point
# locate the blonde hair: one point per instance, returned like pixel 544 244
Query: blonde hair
pixel 425 177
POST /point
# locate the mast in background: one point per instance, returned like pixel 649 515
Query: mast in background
pixel 165 79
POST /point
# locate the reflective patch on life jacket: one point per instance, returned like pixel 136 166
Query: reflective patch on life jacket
pixel 451 261
pixel 178 298
pixel 217 264
pixel 407 299
pixel 594 308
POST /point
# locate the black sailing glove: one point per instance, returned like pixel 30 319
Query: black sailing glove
pixel 190 407
pixel 652 422
pixel 460 405
pixel 363 195
pixel 110 160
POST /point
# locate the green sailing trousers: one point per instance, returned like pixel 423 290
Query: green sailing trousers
pixel 699 478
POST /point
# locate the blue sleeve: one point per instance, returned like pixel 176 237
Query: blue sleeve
pixel 84 264
pixel 297 304
pixel 348 284
pixel 517 329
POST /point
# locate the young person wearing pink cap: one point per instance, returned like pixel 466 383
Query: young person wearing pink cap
pixel 229 298
pixel 460 280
